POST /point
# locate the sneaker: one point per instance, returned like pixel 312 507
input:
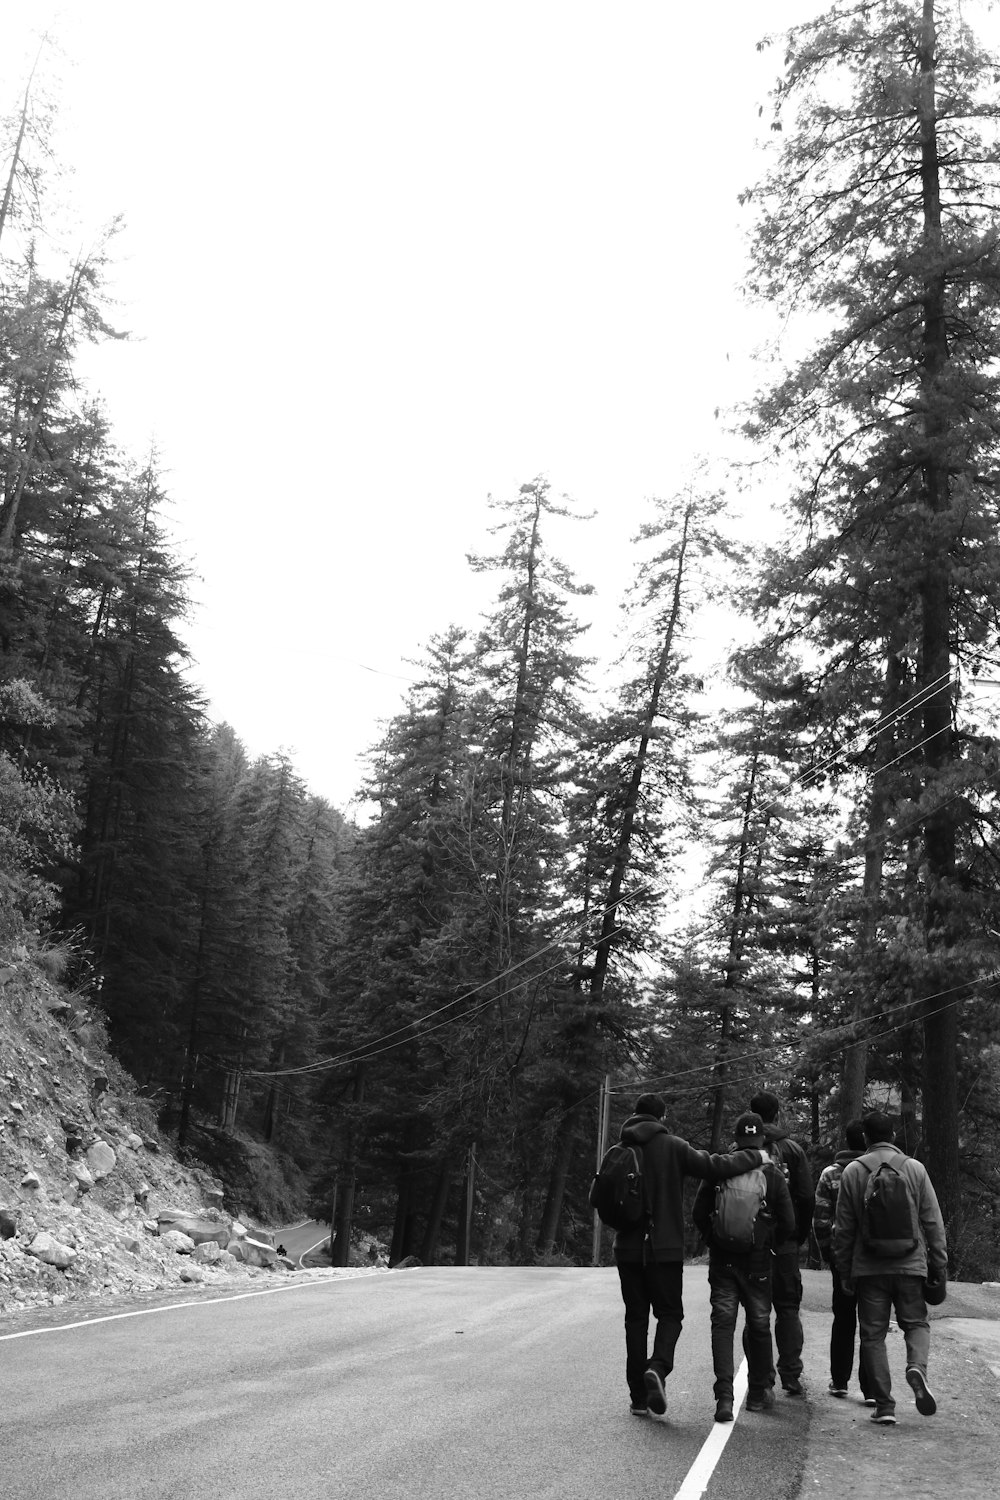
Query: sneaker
pixel 868 1401
pixel 884 1417
pixel 656 1396
pixel 837 1390
pixel 793 1386
pixel 926 1405
pixel 724 1409
pixel 639 1409
pixel 760 1400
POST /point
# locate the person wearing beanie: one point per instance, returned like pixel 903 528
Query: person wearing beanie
pixel 884 1282
pixel 786 1286
pixel 845 1306
pixel 650 1256
pixel 742 1278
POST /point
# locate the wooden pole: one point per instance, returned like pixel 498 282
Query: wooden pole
pixel 603 1117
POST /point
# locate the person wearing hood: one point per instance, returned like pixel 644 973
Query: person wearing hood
pixel 786 1278
pixel 845 1305
pixel 650 1256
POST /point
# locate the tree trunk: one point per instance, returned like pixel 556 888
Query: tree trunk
pixel 435 1214
pixel 940 1080
pixel 399 1245
pixel 558 1176
pixel 855 1065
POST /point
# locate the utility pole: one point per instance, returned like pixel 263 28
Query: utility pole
pixel 603 1118
pixel 465 1226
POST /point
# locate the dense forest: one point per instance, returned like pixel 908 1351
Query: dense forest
pixel 436 1012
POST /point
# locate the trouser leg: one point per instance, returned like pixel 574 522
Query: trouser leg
pixel 874 1294
pixel 911 1315
pixel 725 1305
pixel 664 1283
pixel 636 1301
pixel 842 1333
pixel 786 1297
pixel 757 1341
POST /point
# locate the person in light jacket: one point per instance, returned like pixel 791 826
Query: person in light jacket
pixel 885 1284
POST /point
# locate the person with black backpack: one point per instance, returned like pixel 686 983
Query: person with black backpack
pixel 786 1281
pixel 888 1237
pixel 649 1251
pixel 743 1221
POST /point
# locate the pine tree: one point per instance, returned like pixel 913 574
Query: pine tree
pixel 878 219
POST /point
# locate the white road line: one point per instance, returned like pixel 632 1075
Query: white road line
pixel 325 1240
pixel 145 1312
pixel 701 1471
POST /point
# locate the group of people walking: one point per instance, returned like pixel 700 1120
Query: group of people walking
pixel 876 1221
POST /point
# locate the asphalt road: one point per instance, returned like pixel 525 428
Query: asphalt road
pixel 435 1382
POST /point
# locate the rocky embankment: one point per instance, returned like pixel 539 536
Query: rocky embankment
pixel 92 1203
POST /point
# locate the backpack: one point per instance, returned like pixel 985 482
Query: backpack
pixel 737 1204
pixel 616 1191
pixel 889 1223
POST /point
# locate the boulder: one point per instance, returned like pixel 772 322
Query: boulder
pixel 253 1252
pixel 207 1253
pixel 192 1273
pixel 31 1181
pixel 135 1141
pixel 174 1240
pixel 45 1247
pixel 8 1223
pixel 84 1180
pixel 198 1227
pixel 101 1159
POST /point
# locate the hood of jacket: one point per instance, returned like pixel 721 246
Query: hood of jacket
pixel 638 1129
pixel 775 1133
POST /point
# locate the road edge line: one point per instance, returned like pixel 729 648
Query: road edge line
pixel 145 1312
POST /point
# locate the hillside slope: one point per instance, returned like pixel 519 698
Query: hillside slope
pixel 86 1179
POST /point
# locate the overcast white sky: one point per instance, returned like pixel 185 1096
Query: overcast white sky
pixel 382 260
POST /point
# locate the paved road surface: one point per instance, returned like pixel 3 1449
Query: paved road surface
pixel 436 1382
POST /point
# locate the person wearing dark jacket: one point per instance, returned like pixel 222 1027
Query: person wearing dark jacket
pixel 890 1283
pixel 742 1278
pixel 845 1305
pixel 786 1279
pixel 650 1257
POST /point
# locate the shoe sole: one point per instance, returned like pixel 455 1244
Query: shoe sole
pixel 839 1393
pixel 725 1417
pixel 882 1419
pixel 926 1404
pixel 656 1396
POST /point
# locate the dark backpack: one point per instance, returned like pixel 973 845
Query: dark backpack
pixel 738 1202
pixel 889 1224
pixel 617 1191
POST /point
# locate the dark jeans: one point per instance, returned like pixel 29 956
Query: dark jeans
pixel 845 1322
pixel 655 1288
pixel 877 1297
pixel 733 1287
pixel 786 1298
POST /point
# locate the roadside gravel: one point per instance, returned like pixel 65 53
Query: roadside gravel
pixel 957 1451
